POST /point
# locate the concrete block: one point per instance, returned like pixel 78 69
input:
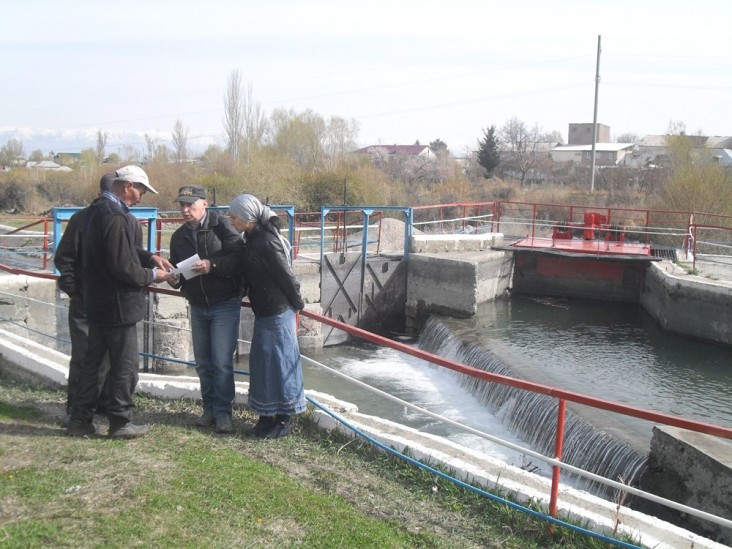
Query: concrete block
pixel 307 273
pixel 451 243
pixel 454 284
pixel 687 304
pixel 695 470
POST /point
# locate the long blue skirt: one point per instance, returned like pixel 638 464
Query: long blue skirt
pixel 275 371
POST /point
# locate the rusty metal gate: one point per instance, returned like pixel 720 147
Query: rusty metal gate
pixel 351 281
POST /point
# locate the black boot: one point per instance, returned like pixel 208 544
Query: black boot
pixel 281 428
pixel 262 427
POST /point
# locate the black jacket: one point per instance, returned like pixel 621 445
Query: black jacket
pixel 272 286
pixel 217 241
pixel 113 274
pixel 67 258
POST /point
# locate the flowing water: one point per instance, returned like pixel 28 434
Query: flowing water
pixel 607 350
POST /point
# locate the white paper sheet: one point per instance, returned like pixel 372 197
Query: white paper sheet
pixel 185 267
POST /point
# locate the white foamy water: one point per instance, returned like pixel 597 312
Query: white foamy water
pixel 422 384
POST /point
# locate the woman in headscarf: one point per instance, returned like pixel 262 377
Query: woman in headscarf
pixel 276 390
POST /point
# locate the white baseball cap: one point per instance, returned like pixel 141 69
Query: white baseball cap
pixel 135 174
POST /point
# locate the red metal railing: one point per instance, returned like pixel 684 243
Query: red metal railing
pixel 664 227
pixel 721 246
pixel 44 236
pixel 463 217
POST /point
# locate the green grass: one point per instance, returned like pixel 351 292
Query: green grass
pixel 185 487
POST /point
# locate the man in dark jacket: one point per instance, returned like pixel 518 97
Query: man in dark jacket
pixel 67 260
pixel 114 282
pixel 214 290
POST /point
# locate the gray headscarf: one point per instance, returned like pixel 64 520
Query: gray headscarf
pixel 249 209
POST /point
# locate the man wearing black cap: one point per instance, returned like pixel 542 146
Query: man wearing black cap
pixel 67 260
pixel 114 280
pixel 214 293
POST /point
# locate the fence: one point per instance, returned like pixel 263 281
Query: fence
pixel 341 228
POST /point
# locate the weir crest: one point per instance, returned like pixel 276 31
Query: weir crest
pixel 533 417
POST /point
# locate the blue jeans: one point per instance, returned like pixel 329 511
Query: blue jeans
pixel 214 331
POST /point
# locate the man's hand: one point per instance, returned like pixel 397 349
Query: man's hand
pixel 174 280
pixel 162 263
pixel 203 266
pixel 160 275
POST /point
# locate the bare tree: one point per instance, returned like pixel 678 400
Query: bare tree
pixel 130 154
pixel 340 138
pixel 254 123
pixel 162 153
pixel 12 152
pixel 151 144
pixel 244 122
pixel 101 146
pixel 298 136
pixel 180 141
pixel 520 147
pixel 628 137
pixel 234 115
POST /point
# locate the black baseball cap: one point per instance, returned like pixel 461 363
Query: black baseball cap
pixel 188 194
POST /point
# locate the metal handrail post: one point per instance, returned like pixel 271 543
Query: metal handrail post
pixel 45 243
pixel 557 471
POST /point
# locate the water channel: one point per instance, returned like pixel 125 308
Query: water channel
pixel 610 350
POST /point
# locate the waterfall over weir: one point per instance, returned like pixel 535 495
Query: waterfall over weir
pixel 533 417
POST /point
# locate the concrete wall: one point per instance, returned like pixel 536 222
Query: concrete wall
pixel 692 469
pixel 689 305
pixel 582 276
pixel 453 283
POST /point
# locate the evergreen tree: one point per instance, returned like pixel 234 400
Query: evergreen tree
pixel 488 155
pixel 439 148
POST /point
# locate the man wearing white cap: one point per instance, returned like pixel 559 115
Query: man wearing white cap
pixel 114 281
pixel 67 260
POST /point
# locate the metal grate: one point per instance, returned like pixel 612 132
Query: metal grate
pixel 664 252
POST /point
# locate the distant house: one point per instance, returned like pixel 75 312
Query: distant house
pixel 397 150
pixel 724 157
pixel 606 154
pixel 654 148
pixel 47 165
pixel 66 158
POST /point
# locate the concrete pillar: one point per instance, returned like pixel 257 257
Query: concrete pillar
pixel 453 283
pixel 693 469
pixel 171 335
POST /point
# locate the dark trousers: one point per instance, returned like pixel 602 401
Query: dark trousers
pixel 79 334
pixel 121 375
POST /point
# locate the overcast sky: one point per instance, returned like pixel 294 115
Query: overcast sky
pixel 405 71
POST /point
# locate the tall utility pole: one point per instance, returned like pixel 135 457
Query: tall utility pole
pixel 594 119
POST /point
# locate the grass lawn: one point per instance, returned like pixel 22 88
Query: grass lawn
pixel 185 487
